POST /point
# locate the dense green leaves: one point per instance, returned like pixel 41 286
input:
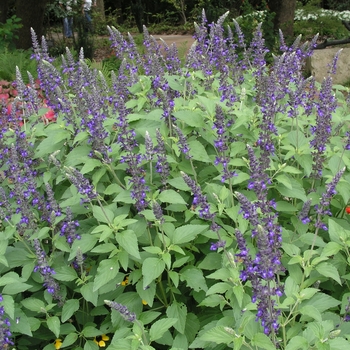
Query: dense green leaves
pixel 179 198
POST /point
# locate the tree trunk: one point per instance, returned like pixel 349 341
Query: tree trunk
pixel 100 8
pixel 3 10
pixel 284 19
pixel 31 12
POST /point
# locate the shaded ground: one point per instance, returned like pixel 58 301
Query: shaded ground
pixel 183 43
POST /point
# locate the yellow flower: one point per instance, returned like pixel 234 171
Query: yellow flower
pixel 101 339
pixel 144 302
pixel 57 344
pixel 126 281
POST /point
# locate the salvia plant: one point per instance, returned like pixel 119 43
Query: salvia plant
pixel 201 205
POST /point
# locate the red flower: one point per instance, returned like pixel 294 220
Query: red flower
pixel 347 209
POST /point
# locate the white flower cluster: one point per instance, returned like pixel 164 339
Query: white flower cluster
pixel 301 15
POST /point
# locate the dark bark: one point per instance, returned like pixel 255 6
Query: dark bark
pixel 137 10
pixel 335 42
pixel 3 10
pixel 284 19
pixel 100 8
pixel 31 13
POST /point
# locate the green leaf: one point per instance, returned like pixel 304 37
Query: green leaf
pixel 330 249
pixel 179 312
pixel 9 305
pixel 285 206
pixel 53 324
pixel 328 270
pixel 77 155
pixel 218 335
pixel 104 215
pixel 160 327
pixel 89 165
pixel 187 233
pixel 68 309
pixel 22 325
pixel 211 261
pixel 85 244
pixel 194 278
pixel 34 304
pixel 285 180
pixel 296 191
pixel 69 339
pixel 198 152
pixel 128 240
pixel 106 271
pixel 87 291
pixel 151 269
pixel 90 332
pixel 321 301
pixel 263 341
pixel 337 232
pixel 149 316
pixel 65 273
pixel 189 117
pixel 90 345
pixel 311 311
pixel 298 343
pixel 15 288
pixel 105 231
pixel 170 196
pixel 10 277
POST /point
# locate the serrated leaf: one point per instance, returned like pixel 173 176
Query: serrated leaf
pixel 22 325
pixel 194 278
pixel 178 311
pixel 321 301
pixel 33 304
pixel 128 240
pixel 65 273
pixel 104 215
pixel 331 248
pixel 54 325
pixel 68 309
pixel 311 311
pixel 217 335
pixel 9 305
pixel 160 327
pixel 90 332
pixel 296 191
pixel 285 180
pixel 328 270
pixel 87 291
pixel 263 341
pixel 171 196
pixel 337 232
pixel 15 288
pixel 89 165
pixel 90 345
pixel 187 233
pixel 106 271
pixel 10 277
pixel 69 339
pixel 191 118
pixel 151 269
pixel 149 316
pixel 198 152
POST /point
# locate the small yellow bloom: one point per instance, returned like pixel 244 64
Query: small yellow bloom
pixel 144 302
pixel 101 339
pixel 126 281
pixel 57 344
